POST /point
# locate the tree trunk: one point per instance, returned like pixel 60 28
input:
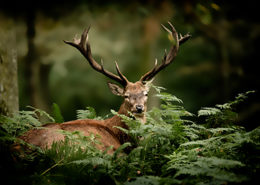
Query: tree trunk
pixel 8 70
pixel 35 73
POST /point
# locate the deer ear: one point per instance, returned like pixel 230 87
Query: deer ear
pixel 115 89
pixel 148 84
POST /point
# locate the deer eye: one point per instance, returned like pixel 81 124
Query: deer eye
pixel 145 93
pixel 126 96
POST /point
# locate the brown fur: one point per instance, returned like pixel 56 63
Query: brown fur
pixel 110 136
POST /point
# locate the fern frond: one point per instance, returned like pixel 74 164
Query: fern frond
pixel 88 113
pixel 208 111
pixel 166 97
pixel 41 114
pixel 56 112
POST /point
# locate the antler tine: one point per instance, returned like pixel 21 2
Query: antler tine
pixel 166 29
pixel 156 62
pixel 120 74
pixel 102 64
pixel 184 38
pixel 84 38
pixel 83 46
pixel 167 58
pixel 164 56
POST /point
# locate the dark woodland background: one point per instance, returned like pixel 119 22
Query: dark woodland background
pixel 217 63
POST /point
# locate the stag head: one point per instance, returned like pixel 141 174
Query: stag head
pixel 135 94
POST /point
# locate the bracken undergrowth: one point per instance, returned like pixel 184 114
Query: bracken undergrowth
pixel 171 148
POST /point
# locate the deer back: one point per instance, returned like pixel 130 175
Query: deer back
pixel 44 137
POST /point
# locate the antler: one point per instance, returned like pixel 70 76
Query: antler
pixel 168 58
pixel 84 47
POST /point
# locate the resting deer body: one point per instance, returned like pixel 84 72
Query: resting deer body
pixel 134 94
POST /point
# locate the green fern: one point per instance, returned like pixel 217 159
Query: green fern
pixel 223 115
pixel 56 113
pixel 24 120
pixel 168 149
pixel 88 113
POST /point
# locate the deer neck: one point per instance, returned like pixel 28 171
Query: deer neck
pixel 124 110
pixel 116 121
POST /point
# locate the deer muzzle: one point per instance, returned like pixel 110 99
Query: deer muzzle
pixel 139 108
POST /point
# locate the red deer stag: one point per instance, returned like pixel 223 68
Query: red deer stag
pixel 134 94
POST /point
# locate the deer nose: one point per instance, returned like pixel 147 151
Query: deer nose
pixel 139 108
